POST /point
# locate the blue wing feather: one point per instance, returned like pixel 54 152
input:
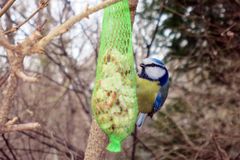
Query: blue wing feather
pixel 157 103
pixel 161 97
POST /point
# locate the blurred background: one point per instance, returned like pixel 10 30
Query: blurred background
pixel 197 39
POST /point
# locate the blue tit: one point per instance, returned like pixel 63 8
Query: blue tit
pixel 153 74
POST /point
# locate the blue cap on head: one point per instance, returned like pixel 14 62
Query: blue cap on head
pixel 158 61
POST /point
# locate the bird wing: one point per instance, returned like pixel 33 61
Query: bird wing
pixel 158 102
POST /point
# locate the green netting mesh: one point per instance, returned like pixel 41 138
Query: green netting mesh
pixel 114 101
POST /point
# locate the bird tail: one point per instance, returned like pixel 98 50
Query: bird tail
pixel 141 119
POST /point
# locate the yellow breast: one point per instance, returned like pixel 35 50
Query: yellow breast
pixel 146 93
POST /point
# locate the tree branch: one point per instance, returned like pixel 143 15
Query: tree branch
pixel 134 143
pixel 19 127
pixel 155 31
pixel 97 143
pixel 70 22
pixel 9 147
pixel 6 44
pixel 16 70
pixel 6 7
pixel 8 95
pixel 133 6
pixel 42 5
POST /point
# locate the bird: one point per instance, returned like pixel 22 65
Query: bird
pixel 152 87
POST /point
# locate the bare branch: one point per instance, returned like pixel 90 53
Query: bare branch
pixel 42 5
pixel 221 152
pixel 19 127
pixel 9 147
pixel 6 7
pixel 6 44
pixel 25 77
pixel 97 143
pixel 134 143
pixel 12 121
pixel 181 130
pixel 16 61
pixel 133 6
pixel 70 22
pixel 8 95
pixel 3 40
pixel 4 78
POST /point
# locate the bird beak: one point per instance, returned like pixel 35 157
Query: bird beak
pixel 139 75
pixel 140 71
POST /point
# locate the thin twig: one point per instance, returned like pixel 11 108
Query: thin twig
pixel 185 136
pixel 9 147
pixel 42 5
pixel 173 11
pixel 4 78
pixel 6 44
pixel 5 154
pixel 222 153
pixel 155 31
pixel 47 142
pixel 70 22
pixel 134 143
pixel 6 7
pixel 146 147
pixel 26 78
pixel 19 127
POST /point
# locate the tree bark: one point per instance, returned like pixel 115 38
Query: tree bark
pixel 133 6
pixel 97 143
pixel 8 96
pixel 97 140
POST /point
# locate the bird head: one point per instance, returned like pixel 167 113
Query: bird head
pixel 153 69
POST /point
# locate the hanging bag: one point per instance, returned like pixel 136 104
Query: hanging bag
pixel 114 101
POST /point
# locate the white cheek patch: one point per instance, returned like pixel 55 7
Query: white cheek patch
pixel 155 72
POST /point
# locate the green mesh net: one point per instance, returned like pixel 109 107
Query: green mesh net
pixel 114 101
